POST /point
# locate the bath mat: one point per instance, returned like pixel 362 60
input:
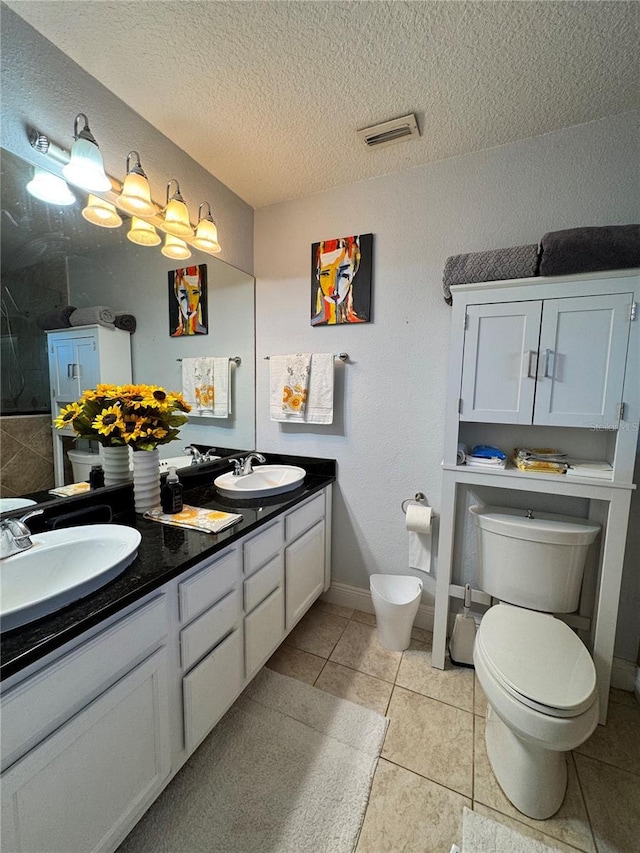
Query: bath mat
pixel 288 769
pixel 480 834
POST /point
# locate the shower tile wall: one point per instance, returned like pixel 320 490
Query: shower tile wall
pixel 26 454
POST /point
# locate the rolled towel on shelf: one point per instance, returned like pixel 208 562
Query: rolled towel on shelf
pixel 493 265
pixel 58 318
pixel 95 314
pixel 126 322
pixel 576 250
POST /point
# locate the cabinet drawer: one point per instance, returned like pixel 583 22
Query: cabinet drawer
pixel 205 587
pixel 264 581
pixel 209 628
pixel 261 548
pixel 210 688
pixel 43 702
pixel 263 631
pixel 304 517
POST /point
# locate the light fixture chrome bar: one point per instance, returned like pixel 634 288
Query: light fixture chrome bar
pixel 42 143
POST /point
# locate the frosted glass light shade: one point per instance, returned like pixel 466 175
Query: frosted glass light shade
pixel 135 197
pixel 176 219
pixel 49 188
pixel 206 237
pixel 143 233
pixel 85 168
pixel 101 212
pixel 175 248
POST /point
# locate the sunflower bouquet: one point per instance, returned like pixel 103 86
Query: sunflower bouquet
pixel 137 416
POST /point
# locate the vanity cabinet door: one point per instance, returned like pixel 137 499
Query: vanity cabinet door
pixel 583 350
pixel 82 788
pixel 499 362
pixel 304 573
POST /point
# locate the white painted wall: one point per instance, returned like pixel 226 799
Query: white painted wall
pixel 388 431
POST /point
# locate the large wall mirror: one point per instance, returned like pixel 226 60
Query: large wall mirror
pixel 52 257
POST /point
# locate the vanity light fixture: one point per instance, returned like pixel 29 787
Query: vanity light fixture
pixel 143 233
pixel 135 196
pixel 206 237
pixel 101 212
pixel 176 213
pixel 50 188
pixel 85 168
pixel 175 248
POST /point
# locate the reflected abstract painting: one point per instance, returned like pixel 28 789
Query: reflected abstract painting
pixel 188 301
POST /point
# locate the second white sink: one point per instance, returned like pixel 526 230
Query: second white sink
pixel 262 482
pixel 62 566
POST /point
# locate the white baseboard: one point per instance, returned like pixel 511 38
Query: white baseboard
pixel 624 675
pixel 360 599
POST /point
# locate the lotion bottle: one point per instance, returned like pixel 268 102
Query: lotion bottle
pixel 171 495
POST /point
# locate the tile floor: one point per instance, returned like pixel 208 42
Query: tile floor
pixel 433 762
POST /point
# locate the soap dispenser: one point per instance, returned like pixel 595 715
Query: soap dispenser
pixel 171 495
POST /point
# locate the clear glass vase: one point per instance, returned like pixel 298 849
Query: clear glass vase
pixel 116 465
pixel 146 480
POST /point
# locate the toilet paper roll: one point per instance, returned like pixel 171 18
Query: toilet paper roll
pixel 419 518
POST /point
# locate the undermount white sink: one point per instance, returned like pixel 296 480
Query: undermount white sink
pixel 7 504
pixel 264 481
pixel 62 566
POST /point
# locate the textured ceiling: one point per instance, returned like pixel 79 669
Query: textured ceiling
pixel 268 95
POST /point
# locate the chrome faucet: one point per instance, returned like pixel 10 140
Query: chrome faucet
pixel 242 467
pixel 197 456
pixel 15 536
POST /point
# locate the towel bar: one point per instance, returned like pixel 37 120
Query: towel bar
pixel 343 356
pixel 234 358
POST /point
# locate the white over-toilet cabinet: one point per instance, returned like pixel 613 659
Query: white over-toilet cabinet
pixel 546 362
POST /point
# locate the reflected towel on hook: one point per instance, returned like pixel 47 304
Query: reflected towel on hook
pixel 319 407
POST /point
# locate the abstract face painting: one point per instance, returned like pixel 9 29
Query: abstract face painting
pixel 341 280
pixel 188 301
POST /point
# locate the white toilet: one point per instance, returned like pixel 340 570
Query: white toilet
pixel 81 463
pixel 538 676
pixel 396 599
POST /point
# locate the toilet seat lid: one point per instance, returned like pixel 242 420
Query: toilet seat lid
pixel 538 659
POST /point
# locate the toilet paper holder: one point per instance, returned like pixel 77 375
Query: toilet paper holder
pixel 419 498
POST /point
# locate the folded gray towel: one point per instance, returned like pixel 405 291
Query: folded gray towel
pixel 56 319
pixel 126 322
pixel 610 247
pixel 494 265
pixel 99 314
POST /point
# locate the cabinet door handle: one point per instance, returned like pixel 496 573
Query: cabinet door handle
pixel 70 371
pixel 532 374
pixel 549 364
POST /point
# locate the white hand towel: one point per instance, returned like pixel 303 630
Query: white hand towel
pixel 319 407
pixel 296 387
pixel 206 386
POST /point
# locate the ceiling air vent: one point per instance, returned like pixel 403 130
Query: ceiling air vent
pixel 390 131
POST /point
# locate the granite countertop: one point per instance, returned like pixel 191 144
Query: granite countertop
pixel 165 552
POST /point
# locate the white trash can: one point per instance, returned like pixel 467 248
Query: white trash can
pixel 396 599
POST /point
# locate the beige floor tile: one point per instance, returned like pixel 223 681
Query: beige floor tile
pixel 296 664
pixel 410 814
pixel 317 633
pixel 359 649
pixel 355 686
pixel 422 636
pixel 479 699
pixel 336 609
pixel 570 823
pixel 624 697
pixel 453 684
pixel 365 618
pixel 613 803
pixel 431 738
pixel 617 743
pixel 523 829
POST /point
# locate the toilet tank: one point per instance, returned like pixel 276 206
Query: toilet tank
pixel 532 559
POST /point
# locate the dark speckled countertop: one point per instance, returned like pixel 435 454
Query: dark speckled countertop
pixel 164 553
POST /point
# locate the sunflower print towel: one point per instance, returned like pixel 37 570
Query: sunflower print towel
pixel 296 387
pixel 196 518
